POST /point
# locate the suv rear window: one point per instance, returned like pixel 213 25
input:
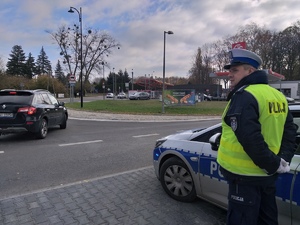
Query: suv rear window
pixel 15 97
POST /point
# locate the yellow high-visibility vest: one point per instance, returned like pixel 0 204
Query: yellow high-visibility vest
pixel 273 109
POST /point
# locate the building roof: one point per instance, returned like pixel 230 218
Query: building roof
pixel 151 83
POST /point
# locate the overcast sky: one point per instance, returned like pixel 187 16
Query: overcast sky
pixel 139 25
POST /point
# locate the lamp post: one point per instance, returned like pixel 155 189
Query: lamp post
pixel 132 80
pixel 114 78
pixel 81 63
pixel 103 86
pixel 164 67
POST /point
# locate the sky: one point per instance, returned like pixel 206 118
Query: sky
pixel 139 25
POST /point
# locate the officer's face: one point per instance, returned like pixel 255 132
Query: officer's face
pixel 236 73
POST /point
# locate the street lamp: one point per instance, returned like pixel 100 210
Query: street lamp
pixel 103 86
pixel 164 65
pixel 114 80
pixel 132 80
pixel 81 67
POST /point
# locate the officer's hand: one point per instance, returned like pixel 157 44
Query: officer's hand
pixel 284 166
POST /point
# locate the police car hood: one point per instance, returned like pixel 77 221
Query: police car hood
pixel 189 134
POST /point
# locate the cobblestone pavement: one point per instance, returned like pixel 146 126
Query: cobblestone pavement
pixel 133 198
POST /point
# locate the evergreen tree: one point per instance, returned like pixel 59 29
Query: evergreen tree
pixel 2 67
pixel 30 68
pixel 126 76
pixel 59 74
pixel 16 62
pixel 43 65
pixel 124 79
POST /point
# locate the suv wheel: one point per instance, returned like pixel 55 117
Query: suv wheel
pixel 43 129
pixel 63 125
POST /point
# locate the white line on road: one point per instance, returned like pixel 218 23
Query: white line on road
pixel 145 135
pixel 80 143
pixel 78 182
pixel 1 151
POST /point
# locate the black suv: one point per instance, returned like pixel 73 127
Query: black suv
pixel 32 111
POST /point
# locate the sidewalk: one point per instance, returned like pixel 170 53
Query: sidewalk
pixel 77 114
pixel 130 198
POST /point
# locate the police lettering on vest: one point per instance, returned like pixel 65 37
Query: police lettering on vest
pixel 277 107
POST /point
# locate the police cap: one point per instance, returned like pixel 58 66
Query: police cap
pixel 242 56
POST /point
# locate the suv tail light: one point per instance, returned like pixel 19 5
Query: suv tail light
pixel 29 110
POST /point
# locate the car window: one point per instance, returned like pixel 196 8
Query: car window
pixel 46 99
pixel 15 97
pixel 38 99
pixel 297 122
pixel 207 135
pixel 53 99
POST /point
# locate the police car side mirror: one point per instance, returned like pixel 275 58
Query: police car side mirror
pixel 215 141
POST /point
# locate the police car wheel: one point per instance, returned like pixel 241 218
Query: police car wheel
pixel 177 180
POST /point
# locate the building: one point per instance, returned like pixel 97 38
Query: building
pixel 288 88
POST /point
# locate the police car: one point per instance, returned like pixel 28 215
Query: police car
pixel 186 165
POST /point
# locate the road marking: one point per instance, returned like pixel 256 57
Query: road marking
pixel 1 151
pixel 80 143
pixel 145 135
pixel 78 182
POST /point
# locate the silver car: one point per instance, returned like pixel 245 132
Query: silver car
pixel 186 165
pixel 121 95
pixel 139 96
pixel 109 95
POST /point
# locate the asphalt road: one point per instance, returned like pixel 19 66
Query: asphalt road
pixel 85 150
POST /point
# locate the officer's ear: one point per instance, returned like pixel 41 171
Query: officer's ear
pixel 249 68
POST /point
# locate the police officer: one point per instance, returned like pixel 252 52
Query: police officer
pixel 257 142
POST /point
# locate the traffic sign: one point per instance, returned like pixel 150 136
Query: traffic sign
pixel 72 77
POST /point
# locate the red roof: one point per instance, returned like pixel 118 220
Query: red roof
pixel 150 83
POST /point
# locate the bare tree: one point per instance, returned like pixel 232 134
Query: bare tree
pixel 290 43
pixel 207 66
pixel 280 51
pixel 196 70
pixel 96 46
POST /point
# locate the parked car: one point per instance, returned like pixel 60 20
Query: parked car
pixel 121 95
pixel 30 111
pixel 204 97
pixel 109 95
pixel 186 165
pixel 290 100
pixel 139 96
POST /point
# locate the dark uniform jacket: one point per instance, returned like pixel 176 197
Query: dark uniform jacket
pixel 245 107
